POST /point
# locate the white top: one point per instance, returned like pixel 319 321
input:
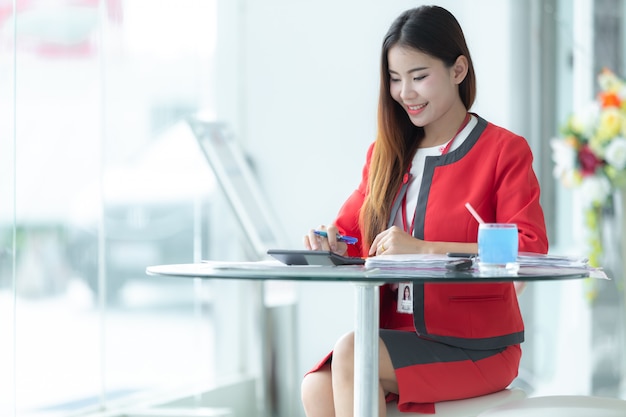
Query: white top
pixel 417 170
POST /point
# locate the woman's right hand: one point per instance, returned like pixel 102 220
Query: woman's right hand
pixel 315 242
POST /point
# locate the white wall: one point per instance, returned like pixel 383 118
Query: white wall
pixel 299 81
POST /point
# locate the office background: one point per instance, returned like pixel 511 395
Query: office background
pixel 99 178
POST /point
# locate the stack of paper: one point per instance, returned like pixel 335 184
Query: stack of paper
pixel 408 261
pixel 537 259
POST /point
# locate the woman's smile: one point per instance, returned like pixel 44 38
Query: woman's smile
pixel 415 109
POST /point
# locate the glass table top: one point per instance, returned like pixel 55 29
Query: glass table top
pixel 263 270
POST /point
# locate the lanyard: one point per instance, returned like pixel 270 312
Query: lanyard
pixel 405 179
pixel 404 219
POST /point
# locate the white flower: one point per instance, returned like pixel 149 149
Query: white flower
pixel 615 153
pixel 585 119
pixel 594 189
pixel 564 157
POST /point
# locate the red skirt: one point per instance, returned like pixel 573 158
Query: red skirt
pixel 429 372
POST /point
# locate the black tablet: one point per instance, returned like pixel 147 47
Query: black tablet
pixel 313 257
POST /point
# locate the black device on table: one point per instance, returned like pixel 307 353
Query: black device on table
pixel 313 257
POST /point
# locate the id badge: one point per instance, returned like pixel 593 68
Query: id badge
pixel 405 298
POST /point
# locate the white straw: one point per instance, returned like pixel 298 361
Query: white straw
pixel 476 216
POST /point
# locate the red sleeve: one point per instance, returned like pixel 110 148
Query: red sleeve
pixel 518 195
pixel 347 220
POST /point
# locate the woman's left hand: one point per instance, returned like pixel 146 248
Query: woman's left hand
pixel 395 241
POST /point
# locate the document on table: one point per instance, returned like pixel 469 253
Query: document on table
pixel 538 259
pixel 535 261
pixel 416 260
pixel 528 261
pixel 265 264
pixel 437 260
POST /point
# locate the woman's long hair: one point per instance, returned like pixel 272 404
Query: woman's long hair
pixel 435 32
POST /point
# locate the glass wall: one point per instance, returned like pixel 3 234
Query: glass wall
pixel 96 183
pixel 589 36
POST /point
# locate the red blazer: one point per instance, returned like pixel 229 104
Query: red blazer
pixel 492 169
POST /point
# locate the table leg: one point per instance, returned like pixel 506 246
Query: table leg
pixel 366 350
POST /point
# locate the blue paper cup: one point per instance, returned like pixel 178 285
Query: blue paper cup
pixel 497 248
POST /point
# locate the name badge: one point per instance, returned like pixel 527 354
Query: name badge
pixel 405 298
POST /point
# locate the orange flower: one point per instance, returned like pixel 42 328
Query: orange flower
pixel 609 99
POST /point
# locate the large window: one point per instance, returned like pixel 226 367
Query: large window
pixel 96 184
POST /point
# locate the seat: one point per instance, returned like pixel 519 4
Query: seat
pixel 560 406
pixel 470 407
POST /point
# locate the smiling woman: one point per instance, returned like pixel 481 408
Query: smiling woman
pixel 67 118
pixel 426 87
pixel 429 143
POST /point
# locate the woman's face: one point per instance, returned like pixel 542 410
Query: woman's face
pixel 423 85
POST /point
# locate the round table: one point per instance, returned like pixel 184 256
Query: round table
pixel 367 282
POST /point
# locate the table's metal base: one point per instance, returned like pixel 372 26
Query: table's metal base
pixel 366 349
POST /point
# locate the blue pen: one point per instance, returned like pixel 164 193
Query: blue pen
pixel 347 239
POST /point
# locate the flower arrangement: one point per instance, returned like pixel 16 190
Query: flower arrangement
pixel 590 154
